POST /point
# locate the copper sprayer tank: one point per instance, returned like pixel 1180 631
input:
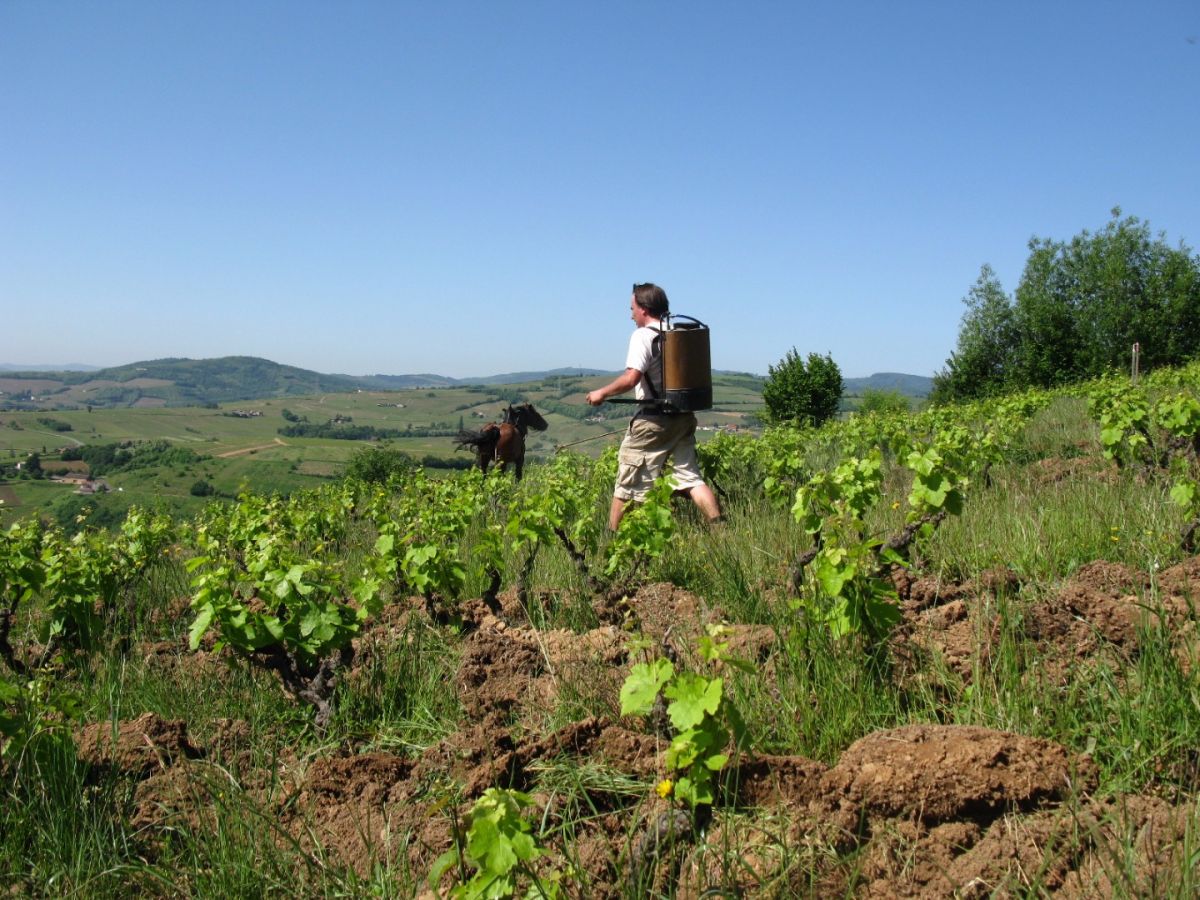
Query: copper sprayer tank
pixel 687 365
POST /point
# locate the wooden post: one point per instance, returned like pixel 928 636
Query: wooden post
pixel 1135 364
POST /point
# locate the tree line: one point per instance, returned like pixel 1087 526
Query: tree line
pixel 350 432
pixel 1077 311
pixel 104 459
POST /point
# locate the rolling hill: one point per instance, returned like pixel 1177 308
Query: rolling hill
pixel 909 385
pixel 230 379
pixel 167 382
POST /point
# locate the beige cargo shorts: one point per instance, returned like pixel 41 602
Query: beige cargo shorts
pixel 644 451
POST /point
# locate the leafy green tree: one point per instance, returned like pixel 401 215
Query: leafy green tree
pixel 1046 320
pixel 803 393
pixel 375 465
pixel 202 488
pixel 874 400
pixel 1082 304
pixel 33 465
pixel 985 357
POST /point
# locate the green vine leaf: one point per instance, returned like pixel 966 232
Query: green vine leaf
pixel 694 697
pixel 642 686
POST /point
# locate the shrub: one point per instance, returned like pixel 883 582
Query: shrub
pixel 800 393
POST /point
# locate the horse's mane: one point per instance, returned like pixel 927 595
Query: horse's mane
pixel 525 415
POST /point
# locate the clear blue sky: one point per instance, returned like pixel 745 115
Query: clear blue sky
pixel 470 188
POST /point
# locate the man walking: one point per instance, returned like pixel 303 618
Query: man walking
pixel 653 434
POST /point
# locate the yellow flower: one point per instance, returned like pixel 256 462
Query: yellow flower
pixel 664 788
pixel 895 504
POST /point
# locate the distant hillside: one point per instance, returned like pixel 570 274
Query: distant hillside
pixel 201 382
pixel 400 382
pixel 520 377
pixel 908 385
pixel 63 367
pixel 230 379
pixel 167 382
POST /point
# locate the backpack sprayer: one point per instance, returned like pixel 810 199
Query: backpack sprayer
pixel 684 377
pixel 684 382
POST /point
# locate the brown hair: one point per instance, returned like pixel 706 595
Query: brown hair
pixel 652 299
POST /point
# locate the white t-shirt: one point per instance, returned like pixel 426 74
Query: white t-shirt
pixel 640 355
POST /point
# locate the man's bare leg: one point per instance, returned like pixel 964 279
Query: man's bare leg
pixel 706 502
pixel 701 495
pixel 615 512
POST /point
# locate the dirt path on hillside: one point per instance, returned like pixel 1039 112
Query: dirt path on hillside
pixel 230 453
pixel 65 437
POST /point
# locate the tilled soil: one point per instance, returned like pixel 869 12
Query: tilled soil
pixel 919 811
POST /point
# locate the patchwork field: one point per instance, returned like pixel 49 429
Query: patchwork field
pixel 240 447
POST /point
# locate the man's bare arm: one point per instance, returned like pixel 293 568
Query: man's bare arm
pixel 619 385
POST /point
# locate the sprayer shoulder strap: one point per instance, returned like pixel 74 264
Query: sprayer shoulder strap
pixel 656 364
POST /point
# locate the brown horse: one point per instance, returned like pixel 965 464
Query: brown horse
pixel 504 443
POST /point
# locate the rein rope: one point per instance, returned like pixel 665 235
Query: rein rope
pixel 558 447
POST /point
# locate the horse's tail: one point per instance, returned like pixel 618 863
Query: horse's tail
pixel 482 438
